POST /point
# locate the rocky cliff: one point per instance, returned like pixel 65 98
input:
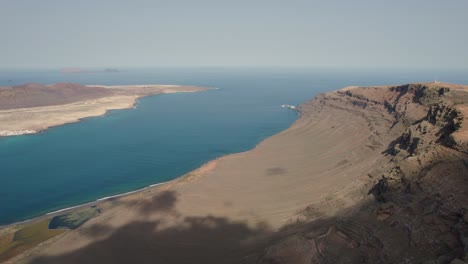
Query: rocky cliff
pixel 413 206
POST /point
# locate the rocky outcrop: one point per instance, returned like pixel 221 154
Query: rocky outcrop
pixel 416 207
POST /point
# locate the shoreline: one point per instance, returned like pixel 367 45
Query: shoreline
pixel 151 186
pixel 182 177
pixel 94 202
pixel 34 120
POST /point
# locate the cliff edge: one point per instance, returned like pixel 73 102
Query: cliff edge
pixel 416 208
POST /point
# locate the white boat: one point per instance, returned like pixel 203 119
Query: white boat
pixel 293 107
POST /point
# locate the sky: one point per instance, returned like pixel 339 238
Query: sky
pixel 241 33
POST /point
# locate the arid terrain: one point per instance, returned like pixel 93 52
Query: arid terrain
pixel 365 175
pixel 31 108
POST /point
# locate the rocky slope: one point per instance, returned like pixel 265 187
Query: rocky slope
pixel 414 206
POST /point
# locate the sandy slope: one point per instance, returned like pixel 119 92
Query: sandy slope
pixel 85 103
pixel 300 196
pixel 320 157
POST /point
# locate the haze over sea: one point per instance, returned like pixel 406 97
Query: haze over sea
pixel 166 136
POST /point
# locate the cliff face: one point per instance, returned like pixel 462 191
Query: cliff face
pixel 413 206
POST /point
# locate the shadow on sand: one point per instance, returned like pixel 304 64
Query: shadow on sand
pixel 195 240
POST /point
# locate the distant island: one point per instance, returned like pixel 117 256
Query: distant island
pixel 33 107
pixel 365 175
pixel 83 70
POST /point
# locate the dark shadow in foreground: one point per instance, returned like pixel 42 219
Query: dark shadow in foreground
pixel 195 240
pixel 198 240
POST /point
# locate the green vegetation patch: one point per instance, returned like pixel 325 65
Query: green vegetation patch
pixel 73 219
pixel 25 238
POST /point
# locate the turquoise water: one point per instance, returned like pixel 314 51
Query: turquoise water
pixel 165 137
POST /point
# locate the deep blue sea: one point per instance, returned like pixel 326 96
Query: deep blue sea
pixel 166 136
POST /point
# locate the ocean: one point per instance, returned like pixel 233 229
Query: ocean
pixel 165 136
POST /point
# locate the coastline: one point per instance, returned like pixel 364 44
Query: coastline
pixel 312 178
pixel 194 183
pixel 32 120
pixel 205 167
pixel 181 178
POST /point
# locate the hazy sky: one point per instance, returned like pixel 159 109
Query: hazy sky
pixel 139 33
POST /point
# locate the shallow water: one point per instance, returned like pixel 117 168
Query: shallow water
pixel 166 136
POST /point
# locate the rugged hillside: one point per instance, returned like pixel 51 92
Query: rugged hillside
pixel 365 175
pixel 34 94
pixel 414 207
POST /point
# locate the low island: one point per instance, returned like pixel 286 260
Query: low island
pixel 33 107
pixel 365 175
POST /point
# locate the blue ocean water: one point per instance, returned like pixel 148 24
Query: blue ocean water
pixel 166 136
